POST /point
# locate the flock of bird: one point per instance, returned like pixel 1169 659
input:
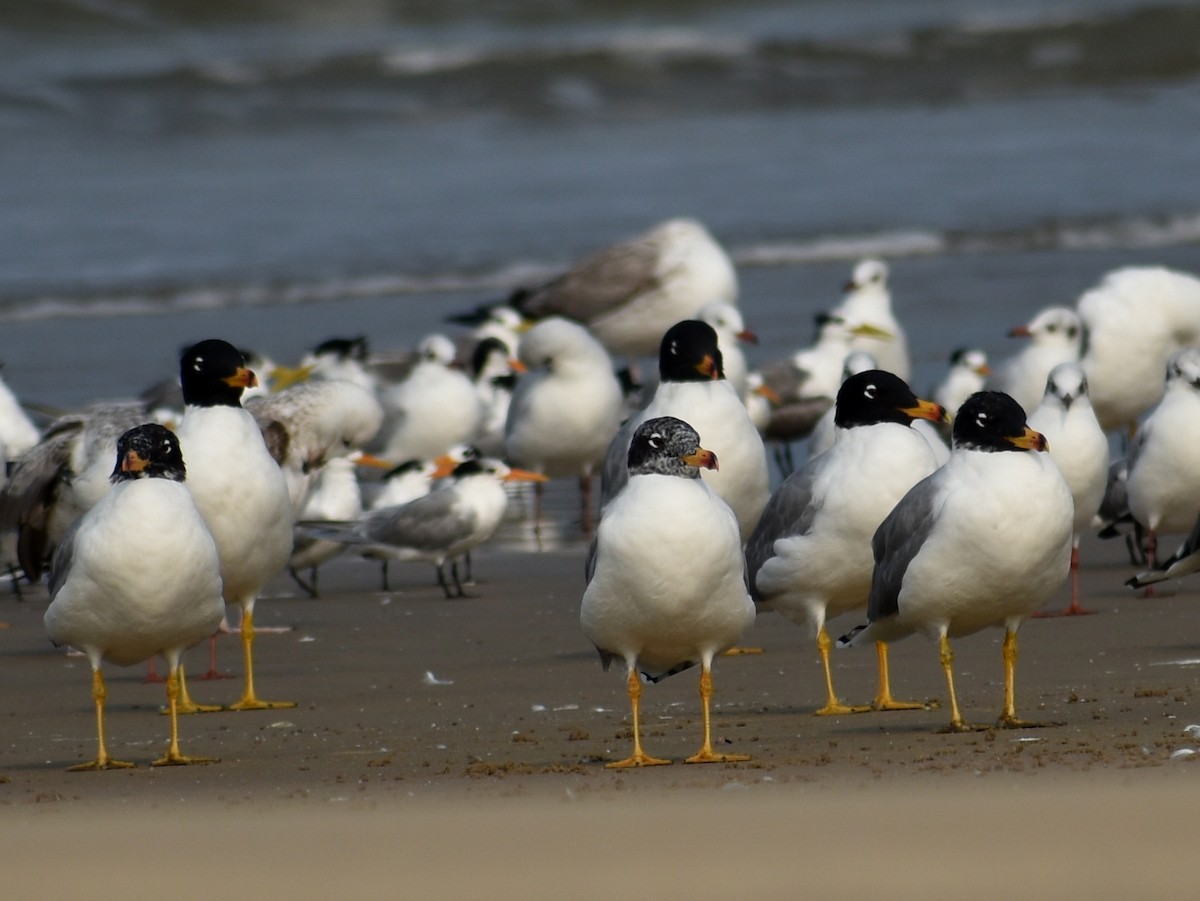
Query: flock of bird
pixel 942 516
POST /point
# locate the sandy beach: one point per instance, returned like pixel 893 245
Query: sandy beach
pixel 456 748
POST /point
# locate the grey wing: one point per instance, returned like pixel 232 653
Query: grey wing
pixel 1135 446
pixel 615 471
pixel 431 523
pixel 64 554
pixel 897 541
pixel 36 471
pixel 589 567
pixel 790 511
pixel 597 284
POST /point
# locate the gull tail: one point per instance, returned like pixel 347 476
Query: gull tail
pixel 677 668
pixel 851 637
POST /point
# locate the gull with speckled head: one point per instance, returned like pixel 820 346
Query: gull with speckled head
pixel 136 576
pixel 666 583
pixel 983 541
pixel 809 557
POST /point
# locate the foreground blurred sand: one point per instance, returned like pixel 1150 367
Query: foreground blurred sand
pixel 455 748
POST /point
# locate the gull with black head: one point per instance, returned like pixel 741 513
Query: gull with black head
pixel 809 557
pixel 137 576
pixel 983 541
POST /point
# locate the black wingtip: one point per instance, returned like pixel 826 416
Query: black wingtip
pixel 658 677
pixel 846 640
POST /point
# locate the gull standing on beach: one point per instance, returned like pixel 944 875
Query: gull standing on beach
pixel 868 301
pixel 631 292
pixel 441 526
pixel 1079 448
pixel 239 489
pixel 983 541
pixel 434 408
pixel 1055 336
pixel 1135 319
pixel 666 583
pixel 565 408
pixel 137 575
pixel 692 387
pixel 809 558
pixel 62 477
pixel 1163 484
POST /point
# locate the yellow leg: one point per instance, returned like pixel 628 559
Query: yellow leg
pixel 833 707
pixel 884 700
pixel 102 761
pixel 173 757
pixel 638 757
pixel 185 704
pixel 249 699
pixel 1008 717
pixel 705 754
pixel 947 657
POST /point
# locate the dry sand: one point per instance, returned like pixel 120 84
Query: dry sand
pixel 455 749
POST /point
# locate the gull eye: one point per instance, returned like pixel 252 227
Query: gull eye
pixel 655 440
pixel 870 391
pixel 982 420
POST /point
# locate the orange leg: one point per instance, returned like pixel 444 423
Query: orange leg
pixel 173 757
pixel 638 757
pixel 884 700
pixel 250 700
pixel 705 754
pixel 103 761
pixel 833 707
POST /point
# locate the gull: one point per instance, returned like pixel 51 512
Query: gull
pixel 1135 318
pixel 692 387
pixel 1055 336
pixel 336 495
pixel 665 574
pixel 434 408
pixel 966 374
pixel 1163 482
pixel 494 378
pixel 239 489
pixel 440 526
pixel 18 434
pixel 136 576
pixel 983 541
pixel 630 293
pixel 868 301
pixel 806 383
pixel 727 322
pixel 1184 562
pixel 565 408
pixel 1079 448
pixel 310 423
pixel 809 557
pixel 61 477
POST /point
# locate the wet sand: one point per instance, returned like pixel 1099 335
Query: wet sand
pixel 456 748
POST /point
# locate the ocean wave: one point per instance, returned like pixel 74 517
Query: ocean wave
pixel 1139 232
pixel 623 70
